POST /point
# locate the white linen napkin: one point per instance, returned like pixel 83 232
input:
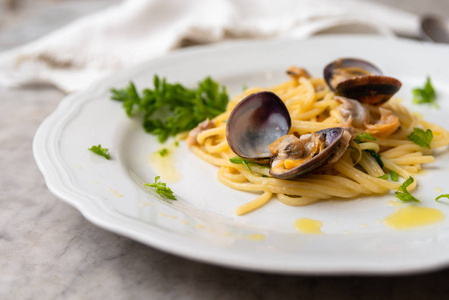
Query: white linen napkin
pixel 127 34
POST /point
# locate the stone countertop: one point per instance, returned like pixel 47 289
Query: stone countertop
pixel 48 250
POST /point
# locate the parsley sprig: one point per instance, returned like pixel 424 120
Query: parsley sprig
pixel 421 137
pixel 403 194
pixel 100 151
pixel 426 94
pixel 364 137
pixel 393 176
pixel 161 188
pixel 163 152
pixel 169 109
pixel 441 196
pixel 245 162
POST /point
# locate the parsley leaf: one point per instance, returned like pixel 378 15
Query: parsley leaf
pixel 394 176
pixel 363 137
pixel 163 152
pixel 426 94
pixel 376 156
pixel 245 162
pixel 441 196
pixel 405 195
pixel 169 109
pixel 161 188
pixel 421 137
pixel 100 151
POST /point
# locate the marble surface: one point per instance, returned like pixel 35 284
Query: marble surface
pixel 49 251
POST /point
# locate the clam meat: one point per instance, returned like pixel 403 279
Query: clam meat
pixel 293 156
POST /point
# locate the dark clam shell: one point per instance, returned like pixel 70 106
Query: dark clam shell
pixel 256 122
pixel 331 69
pixel 333 137
pixel 368 85
pixel 380 89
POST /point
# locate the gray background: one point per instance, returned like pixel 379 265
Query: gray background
pixel 49 251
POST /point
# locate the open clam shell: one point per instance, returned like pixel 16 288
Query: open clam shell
pixel 360 80
pixel 353 67
pixel 256 122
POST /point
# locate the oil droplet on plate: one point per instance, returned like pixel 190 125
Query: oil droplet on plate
pixel 309 226
pixel 165 165
pixel 438 190
pixel 115 193
pixel 255 237
pixel 413 216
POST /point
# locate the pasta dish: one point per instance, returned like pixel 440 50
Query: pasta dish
pixel 334 141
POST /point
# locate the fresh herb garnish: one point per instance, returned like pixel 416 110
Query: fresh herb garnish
pixel 376 156
pixel 176 144
pixel 244 87
pixel 426 94
pixel 421 137
pixel 100 151
pixel 394 176
pixel 169 109
pixel 364 137
pixel 161 188
pixel 245 162
pixel 163 152
pixel 405 195
pixel 441 196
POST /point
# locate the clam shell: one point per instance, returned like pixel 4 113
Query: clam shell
pixel 330 69
pixel 333 137
pixel 373 90
pixel 256 122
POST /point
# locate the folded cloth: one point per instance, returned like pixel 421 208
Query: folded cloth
pixel 133 31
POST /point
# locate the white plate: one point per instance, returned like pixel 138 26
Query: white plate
pixel 201 225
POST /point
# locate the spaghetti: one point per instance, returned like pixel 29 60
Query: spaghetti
pixel 313 107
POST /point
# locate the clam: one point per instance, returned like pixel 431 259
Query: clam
pixel 255 123
pixel 293 157
pixel 360 80
pixel 257 130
